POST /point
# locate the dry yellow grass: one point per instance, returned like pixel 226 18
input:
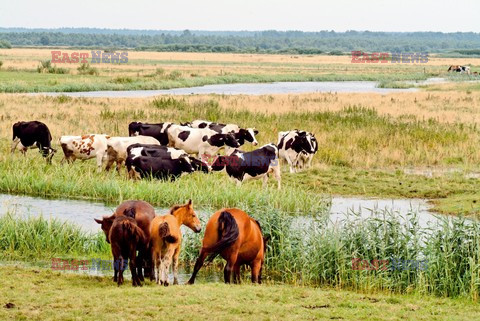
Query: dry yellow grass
pixel 208 64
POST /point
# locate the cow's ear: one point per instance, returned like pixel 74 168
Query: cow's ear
pixel 255 131
pixel 98 221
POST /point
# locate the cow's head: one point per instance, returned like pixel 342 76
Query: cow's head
pixel 106 223
pixel 133 128
pixel 185 164
pixel 231 141
pixel 48 153
pixel 304 141
pixel 220 140
pixel 247 134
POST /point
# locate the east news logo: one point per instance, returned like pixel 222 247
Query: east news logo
pixel 97 56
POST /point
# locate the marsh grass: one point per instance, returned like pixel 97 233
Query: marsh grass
pixel 37 238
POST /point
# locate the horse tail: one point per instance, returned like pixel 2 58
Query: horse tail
pixel 227 233
pixel 132 231
pixel 164 232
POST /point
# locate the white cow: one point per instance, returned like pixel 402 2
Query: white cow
pixel 297 147
pixel 241 134
pixel 117 148
pixel 85 147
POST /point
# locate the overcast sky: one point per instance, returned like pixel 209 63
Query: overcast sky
pixel 306 15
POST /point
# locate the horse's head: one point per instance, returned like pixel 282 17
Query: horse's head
pixel 187 216
pixel 106 224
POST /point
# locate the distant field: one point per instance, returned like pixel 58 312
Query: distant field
pixel 161 70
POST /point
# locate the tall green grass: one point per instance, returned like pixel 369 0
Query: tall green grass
pixel 37 238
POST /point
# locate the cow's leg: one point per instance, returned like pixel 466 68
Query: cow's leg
pixel 14 144
pixel 278 175
pixel 175 265
pixel 110 161
pixel 264 179
pixel 99 158
pixel 309 162
pixel 198 266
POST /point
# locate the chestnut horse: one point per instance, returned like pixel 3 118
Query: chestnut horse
pixel 143 213
pixel 238 239
pixel 124 236
pixel 166 240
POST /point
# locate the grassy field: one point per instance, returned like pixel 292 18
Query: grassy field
pixel 367 148
pixel 156 70
pixel 38 294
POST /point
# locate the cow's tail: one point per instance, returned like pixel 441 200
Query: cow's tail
pixel 227 233
pixel 133 232
pixel 164 232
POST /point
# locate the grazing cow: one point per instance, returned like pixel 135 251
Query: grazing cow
pixel 160 168
pixel 167 239
pixel 33 134
pixel 85 147
pixel 143 213
pixel 296 145
pixel 238 238
pixel 137 150
pixel 158 131
pixel 460 69
pixel 124 237
pixel 241 134
pixel 242 166
pixel 200 141
pixel 117 148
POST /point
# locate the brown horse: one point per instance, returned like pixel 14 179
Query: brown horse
pixel 124 236
pixel 166 240
pixel 238 239
pixel 143 213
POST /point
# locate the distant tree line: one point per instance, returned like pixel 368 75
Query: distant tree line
pixel 294 42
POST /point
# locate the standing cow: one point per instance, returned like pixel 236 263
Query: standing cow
pixel 158 131
pixel 85 147
pixel 241 134
pixel 33 134
pixel 297 146
pixel 200 141
pixel 117 148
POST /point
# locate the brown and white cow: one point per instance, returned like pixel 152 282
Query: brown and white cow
pixel 85 147
pixel 460 69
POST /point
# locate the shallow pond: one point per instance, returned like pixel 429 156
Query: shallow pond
pixel 82 212
pixel 247 89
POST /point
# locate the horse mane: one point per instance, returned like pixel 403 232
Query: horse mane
pixel 174 208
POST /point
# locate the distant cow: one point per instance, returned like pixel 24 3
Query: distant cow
pixel 241 134
pixel 156 151
pixel 297 146
pixel 85 147
pixel 117 148
pixel 200 141
pixel 460 69
pixel 242 166
pixel 32 134
pixel 157 131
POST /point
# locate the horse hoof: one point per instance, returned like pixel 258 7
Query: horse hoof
pixel 165 284
pixel 175 282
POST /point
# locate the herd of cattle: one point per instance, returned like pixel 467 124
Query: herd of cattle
pixel 168 150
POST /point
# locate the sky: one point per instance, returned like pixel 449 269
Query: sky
pixel 305 15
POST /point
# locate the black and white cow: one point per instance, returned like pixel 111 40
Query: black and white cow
pixel 32 134
pixel 158 167
pixel 200 141
pixel 137 150
pixel 158 131
pixel 242 166
pixel 297 147
pixel 241 134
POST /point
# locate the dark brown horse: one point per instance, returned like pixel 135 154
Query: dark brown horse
pixel 238 239
pixel 124 237
pixel 143 213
